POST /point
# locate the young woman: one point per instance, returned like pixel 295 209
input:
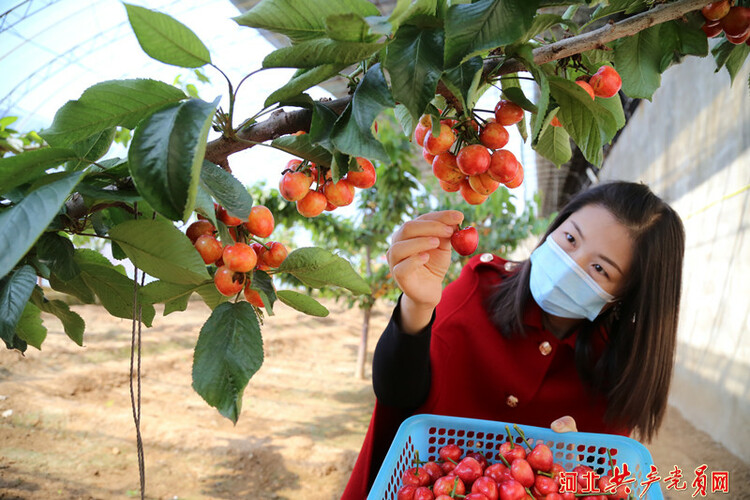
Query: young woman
pixel 581 336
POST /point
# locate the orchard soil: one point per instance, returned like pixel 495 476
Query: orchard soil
pixel 71 436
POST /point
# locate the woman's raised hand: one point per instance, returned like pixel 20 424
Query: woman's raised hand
pixel 419 257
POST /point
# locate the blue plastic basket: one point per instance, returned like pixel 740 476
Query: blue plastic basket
pixel 427 433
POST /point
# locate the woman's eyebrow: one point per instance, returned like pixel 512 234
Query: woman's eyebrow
pixel 603 257
pixel 578 229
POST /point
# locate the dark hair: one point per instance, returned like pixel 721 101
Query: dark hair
pixel 635 369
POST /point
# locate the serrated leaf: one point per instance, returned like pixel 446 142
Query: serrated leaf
pixel 166 39
pixel 483 25
pixel 91 149
pixel 414 62
pixel 228 191
pixel 736 59
pixel 174 296
pixel 114 290
pixel 73 324
pixel 21 225
pixel 350 27
pixel 301 21
pixel 108 104
pixel 321 125
pixel 301 146
pixel 554 144
pixel 263 284
pixel 161 250
pixel 228 353
pixel 166 155
pixel 312 53
pixel 204 204
pixel 464 79
pixel 211 295
pixel 408 9
pixel 14 294
pixel 638 60
pixel 302 303
pixel 303 81
pixel 352 133
pixel 57 253
pixel 75 287
pixel 22 168
pixel 30 328
pixel 317 268
pixel 589 124
pixel 405 119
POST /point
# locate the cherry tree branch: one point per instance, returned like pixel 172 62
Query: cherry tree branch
pixel 287 122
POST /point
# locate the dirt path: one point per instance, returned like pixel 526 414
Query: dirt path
pixel 70 434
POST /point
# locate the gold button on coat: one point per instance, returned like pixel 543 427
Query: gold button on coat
pixel 512 401
pixel 545 348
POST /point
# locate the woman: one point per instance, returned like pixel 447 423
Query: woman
pixel 580 335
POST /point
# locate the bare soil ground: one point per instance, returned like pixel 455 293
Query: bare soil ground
pixel 70 434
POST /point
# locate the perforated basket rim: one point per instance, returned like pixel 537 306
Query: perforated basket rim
pixel 420 423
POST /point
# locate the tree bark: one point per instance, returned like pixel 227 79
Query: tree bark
pixel 288 122
pixel 362 352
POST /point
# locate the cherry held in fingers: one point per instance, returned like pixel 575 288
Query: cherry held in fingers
pixel 465 241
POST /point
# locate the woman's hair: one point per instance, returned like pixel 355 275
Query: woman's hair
pixel 635 369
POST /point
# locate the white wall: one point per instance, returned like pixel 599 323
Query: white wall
pixel 691 145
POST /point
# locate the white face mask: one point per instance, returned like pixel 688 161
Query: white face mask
pixel 561 287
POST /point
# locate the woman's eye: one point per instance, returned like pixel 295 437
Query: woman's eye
pixel 569 237
pixel 599 269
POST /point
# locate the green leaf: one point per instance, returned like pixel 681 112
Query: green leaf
pixel 21 225
pixel 166 155
pixel 22 168
pixel 352 133
pixel 301 146
pixel 314 53
pixel 263 284
pixel 349 27
pixel 414 62
pixel 616 6
pixel 75 287
pixel 511 87
pixel 91 149
pixel 554 144
pixel 588 122
pixel 174 296
pixel 614 106
pixel 161 250
pixel 303 81
pixel 408 9
pixel 638 60
pixel 228 191
pixel 114 289
pixel 73 324
pixel 109 104
pixel 486 24
pixel 30 328
pixel 407 122
pixel 228 353
pixel 57 253
pixel 211 295
pixel 526 55
pixel 516 95
pixel 316 268
pixel 166 39
pixel 302 303
pixel 301 21
pixel 730 55
pixel 321 125
pixel 14 294
pixel 204 204
pixel 543 22
pixel 464 80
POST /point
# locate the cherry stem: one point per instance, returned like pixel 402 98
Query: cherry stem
pixel 523 436
pixel 548 474
pixel 510 438
pixel 417 461
pixel 505 460
pixel 484 110
pixel 609 460
pixel 253 238
pixel 529 492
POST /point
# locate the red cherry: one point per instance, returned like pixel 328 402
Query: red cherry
pixel 274 255
pixel 521 472
pixel 468 469
pixel 483 183
pixel 487 487
pixel 364 179
pixel 209 248
pixel 711 28
pixel 498 472
pixel 423 493
pixel 508 113
pixel 293 186
pixel 494 135
pixel 260 221
pixel 465 241
pixel 585 86
pixel 229 220
pixel 339 193
pixel 441 143
pixel 716 10
pixel 473 159
pixel 445 168
pixel 469 195
pixel 737 40
pixel 606 82
pixel 239 257
pixel 228 282
pixel 416 476
pixel 511 451
pixel 503 166
pixel 450 187
pixel 512 490
pixel 198 229
pixel 517 180
pixel 540 458
pixel 253 296
pixel 445 485
pixel 312 204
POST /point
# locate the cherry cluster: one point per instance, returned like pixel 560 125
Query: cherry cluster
pixel 606 82
pixel 468 157
pixel 733 21
pixel 298 177
pixel 236 262
pixel 518 476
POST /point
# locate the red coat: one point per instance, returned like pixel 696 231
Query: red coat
pixel 478 373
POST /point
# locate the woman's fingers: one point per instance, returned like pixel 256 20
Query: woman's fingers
pixel 407 248
pixel 564 424
pixel 420 228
